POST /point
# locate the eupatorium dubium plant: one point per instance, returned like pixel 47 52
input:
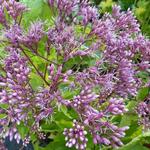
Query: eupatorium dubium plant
pixel 80 70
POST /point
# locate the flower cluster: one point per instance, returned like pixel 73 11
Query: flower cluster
pixel 2 15
pixel 43 102
pixel 76 136
pixel 86 96
pixel 34 35
pixel 113 132
pixel 13 34
pixel 12 133
pixel 14 9
pixel 2 146
pixel 143 111
pixel 15 92
pixel 116 52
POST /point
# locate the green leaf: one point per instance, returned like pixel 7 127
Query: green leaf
pixel 38 9
pixel 64 124
pixel 4 106
pixel 143 92
pixel 130 115
pixel 35 81
pixel 58 143
pixel 65 111
pixel 50 127
pixel 137 143
pixel 3 116
pixel 23 130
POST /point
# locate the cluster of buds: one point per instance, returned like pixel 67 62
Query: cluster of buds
pixel 116 106
pixel 13 134
pixel 143 111
pixel 76 136
pixel 2 15
pixel 86 96
pixel 15 9
pixel 26 141
pixel 2 146
pixel 109 134
pixel 33 36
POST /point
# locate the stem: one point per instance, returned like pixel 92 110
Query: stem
pixel 46 67
pixel 45 70
pixel 34 66
pixel 36 54
pixel 1 68
pixel 20 19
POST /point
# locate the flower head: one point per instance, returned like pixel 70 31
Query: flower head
pixel 76 136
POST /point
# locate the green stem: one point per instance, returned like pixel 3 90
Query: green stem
pixel 34 67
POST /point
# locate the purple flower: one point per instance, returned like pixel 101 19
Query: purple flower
pixel 15 92
pixel 127 83
pixel 63 39
pixel 143 111
pixel 108 134
pixel 86 96
pixel 88 14
pixel 26 141
pixel 65 7
pixel 2 145
pixel 14 8
pixel 14 34
pixel 33 36
pixel 126 22
pixel 113 51
pixel 116 106
pixel 13 134
pixel 2 16
pixel 76 136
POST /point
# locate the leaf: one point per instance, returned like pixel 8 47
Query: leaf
pixel 137 143
pixel 58 143
pixel 127 119
pixel 3 116
pixel 106 6
pixel 130 115
pixel 52 127
pixel 125 4
pixel 65 111
pixel 143 92
pixel 4 106
pixel 35 81
pixel 64 124
pixel 23 130
pixel 38 9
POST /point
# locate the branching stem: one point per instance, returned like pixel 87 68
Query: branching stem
pixel 34 66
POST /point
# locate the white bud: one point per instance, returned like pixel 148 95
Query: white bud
pixel 2 84
pixel 73 141
pixel 70 145
pixel 66 138
pixel 85 132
